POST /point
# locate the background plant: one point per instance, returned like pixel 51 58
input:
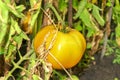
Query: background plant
pixel 98 20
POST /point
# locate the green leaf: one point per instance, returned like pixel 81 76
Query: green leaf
pixel 11 49
pixel 35 77
pixel 97 16
pixel 116 13
pixel 20 8
pixel 3 31
pixel 109 3
pixel 19 38
pixel 24 36
pixel 8 36
pixel 62 5
pixel 17 28
pixel 85 17
pixel 13 8
pixel 15 25
pixel 2 50
pixel 35 15
pixel 77 26
pixel 75 4
pixel 89 45
pixel 74 77
pixel 117 31
pixel 4 14
pixel 117 2
pixel 81 7
pixel 90 32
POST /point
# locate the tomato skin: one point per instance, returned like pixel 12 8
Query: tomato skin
pixel 67 48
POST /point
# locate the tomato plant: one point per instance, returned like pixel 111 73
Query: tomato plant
pixel 25 23
pixel 66 49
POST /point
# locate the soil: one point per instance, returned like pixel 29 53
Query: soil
pixel 101 70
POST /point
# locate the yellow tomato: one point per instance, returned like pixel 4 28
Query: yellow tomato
pixel 68 48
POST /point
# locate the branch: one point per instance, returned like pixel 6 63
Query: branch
pixel 70 13
pixel 107 31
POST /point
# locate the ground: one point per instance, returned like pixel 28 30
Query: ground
pixel 101 70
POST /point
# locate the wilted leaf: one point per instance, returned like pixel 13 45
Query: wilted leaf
pixel 96 41
pixel 94 1
pixel 118 41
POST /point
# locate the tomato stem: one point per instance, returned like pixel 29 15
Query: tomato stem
pixel 56 13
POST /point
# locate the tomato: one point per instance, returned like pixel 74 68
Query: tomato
pixel 68 48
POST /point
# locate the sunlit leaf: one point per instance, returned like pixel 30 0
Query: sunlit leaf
pixel 4 14
pixel 18 29
pixel 90 32
pixel 85 17
pixel 97 16
pixel 35 77
pixel 11 49
pixel 20 8
pixel 13 8
pixel 75 4
pixel 74 77
pixel 81 8
pixel 89 45
pixel 77 26
pixel 62 5
pixel 117 30
pixel 109 3
pixel 2 50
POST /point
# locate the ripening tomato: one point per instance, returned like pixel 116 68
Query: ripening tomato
pixel 68 48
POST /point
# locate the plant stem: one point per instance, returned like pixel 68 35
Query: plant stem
pixel 16 65
pixel 70 13
pixel 107 31
pixel 54 10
